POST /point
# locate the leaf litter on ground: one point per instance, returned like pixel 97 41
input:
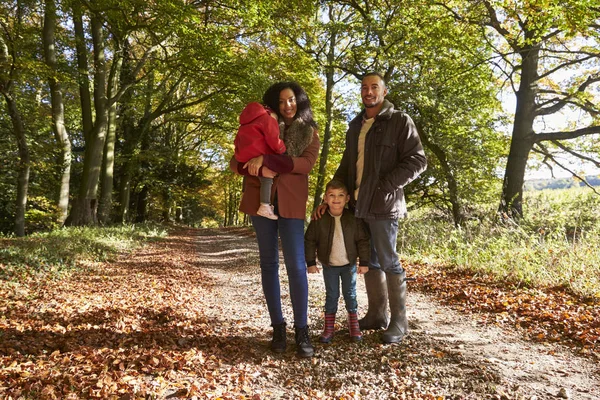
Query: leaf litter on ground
pixel 184 317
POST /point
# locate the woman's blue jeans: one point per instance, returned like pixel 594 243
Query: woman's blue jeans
pixel 332 277
pixel 291 232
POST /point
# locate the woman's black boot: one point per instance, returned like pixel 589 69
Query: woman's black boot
pixel 278 344
pixel 303 346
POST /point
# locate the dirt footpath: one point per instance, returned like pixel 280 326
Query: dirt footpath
pixel 448 354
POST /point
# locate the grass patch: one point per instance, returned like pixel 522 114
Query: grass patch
pixel 556 244
pixel 52 254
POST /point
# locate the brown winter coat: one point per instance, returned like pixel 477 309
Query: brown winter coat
pixel 291 188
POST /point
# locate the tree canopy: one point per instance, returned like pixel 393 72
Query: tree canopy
pixel 121 111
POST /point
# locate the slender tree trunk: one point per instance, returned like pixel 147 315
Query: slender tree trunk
pixel 455 202
pixel 108 160
pixel 108 165
pixel 8 61
pixel 142 210
pixel 85 96
pixel 58 109
pixel 330 83
pixel 23 165
pixel 523 136
pixel 141 214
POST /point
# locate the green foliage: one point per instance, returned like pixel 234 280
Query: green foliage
pixel 42 215
pixel 558 244
pixel 48 255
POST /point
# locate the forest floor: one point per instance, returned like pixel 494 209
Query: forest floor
pixel 184 317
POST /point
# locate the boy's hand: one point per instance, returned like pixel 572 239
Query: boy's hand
pixel 319 211
pixel 313 269
pixel 363 269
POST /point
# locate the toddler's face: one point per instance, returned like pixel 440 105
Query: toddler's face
pixel 336 199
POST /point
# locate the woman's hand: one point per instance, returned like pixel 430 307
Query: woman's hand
pixel 254 165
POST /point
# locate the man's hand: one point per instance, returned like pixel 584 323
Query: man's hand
pixel 254 165
pixel 363 269
pixel 318 213
pixel 313 269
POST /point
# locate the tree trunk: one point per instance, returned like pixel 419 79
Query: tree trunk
pixel 58 109
pixel 108 160
pixel 455 202
pixel 85 97
pixel 108 164
pixel 330 83
pixel 141 214
pixel 523 136
pixel 84 209
pixel 23 165
pixel 142 210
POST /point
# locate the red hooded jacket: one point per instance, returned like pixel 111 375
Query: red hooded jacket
pixel 258 134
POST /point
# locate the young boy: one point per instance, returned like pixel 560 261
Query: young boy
pixel 337 239
pixel 258 134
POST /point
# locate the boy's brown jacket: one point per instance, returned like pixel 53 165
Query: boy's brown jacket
pixel 318 239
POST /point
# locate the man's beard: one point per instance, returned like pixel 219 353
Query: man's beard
pixel 371 105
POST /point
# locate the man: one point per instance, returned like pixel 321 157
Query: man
pixel 383 154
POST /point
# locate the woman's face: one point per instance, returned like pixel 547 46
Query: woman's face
pixel 287 105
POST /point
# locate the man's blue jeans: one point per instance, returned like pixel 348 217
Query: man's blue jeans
pixel 384 237
pixel 291 232
pixel 332 277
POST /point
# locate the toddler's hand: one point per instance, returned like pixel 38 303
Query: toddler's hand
pixel 313 269
pixel 273 115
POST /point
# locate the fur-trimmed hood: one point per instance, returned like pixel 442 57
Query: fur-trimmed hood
pixel 296 137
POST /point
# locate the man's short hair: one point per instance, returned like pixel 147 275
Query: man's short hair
pixel 335 184
pixel 377 74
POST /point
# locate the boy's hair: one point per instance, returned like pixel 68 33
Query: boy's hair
pixel 335 184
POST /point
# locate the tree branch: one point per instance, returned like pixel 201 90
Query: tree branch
pixel 543 150
pixel 566 135
pixel 561 103
pixel 576 154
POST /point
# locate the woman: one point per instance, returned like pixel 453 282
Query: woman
pixel 289 195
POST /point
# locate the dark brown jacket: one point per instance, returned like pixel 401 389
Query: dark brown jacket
pixel 318 239
pixel 393 158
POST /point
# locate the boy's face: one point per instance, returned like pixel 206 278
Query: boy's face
pixel 336 199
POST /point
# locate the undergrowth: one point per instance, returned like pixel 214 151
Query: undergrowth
pixel 54 253
pixel 557 243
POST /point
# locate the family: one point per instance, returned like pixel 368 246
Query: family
pixel 276 147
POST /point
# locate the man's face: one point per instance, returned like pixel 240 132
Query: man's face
pixel 372 91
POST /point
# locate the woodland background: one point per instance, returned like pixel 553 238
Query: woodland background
pixel 125 111
pixel 117 121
